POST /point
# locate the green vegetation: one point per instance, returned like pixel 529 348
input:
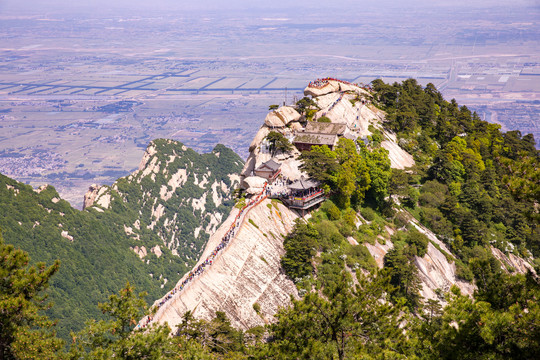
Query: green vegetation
pixel 99 261
pixel 350 176
pixel 278 143
pixel 300 246
pixel 24 331
pixel 240 203
pixel 474 186
pixel 349 321
pixel 307 107
pixel 116 336
pixel 403 277
pixel 257 307
pixel 253 223
pixel 341 319
pixel 466 171
pixel 412 241
pixel 477 185
pixel 324 119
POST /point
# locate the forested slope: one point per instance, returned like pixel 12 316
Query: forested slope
pixel 355 260
pixel 95 250
pixel 477 185
pixel 474 186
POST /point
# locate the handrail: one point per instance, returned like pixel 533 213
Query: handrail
pixel 306 198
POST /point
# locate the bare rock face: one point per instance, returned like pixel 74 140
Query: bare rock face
pixel 90 196
pixel 66 235
pixel 255 184
pixel 259 137
pixel 512 262
pixel 140 251
pixel 435 272
pixel 148 154
pixel 329 87
pixel 281 117
pixel 41 188
pixel 332 86
pixel 399 158
pixel 249 165
pixel 378 251
pixel 246 272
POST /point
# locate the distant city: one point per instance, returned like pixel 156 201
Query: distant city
pixel 82 94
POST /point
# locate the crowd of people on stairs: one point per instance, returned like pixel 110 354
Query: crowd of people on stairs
pixel 210 259
pixel 334 104
pixel 320 83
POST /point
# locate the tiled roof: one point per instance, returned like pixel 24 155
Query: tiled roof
pixel 270 164
pixel 325 128
pixel 303 184
pixel 315 139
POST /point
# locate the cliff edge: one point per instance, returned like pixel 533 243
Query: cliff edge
pixel 246 272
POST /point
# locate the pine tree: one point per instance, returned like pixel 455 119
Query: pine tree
pixel 346 321
pixel 119 337
pixel 24 332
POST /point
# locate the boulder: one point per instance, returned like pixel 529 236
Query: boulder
pixel 288 114
pixel 329 87
pixel 281 117
pixel 272 120
pixel 295 126
pixel 255 184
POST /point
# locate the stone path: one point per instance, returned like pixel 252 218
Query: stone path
pixel 229 235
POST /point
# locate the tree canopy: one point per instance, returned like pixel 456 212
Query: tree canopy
pixel 25 332
pixel 278 143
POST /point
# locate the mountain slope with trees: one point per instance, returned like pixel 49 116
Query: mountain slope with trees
pixel 95 249
pixel 475 187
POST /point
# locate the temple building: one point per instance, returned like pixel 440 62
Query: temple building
pixel 304 142
pixel 268 170
pixel 304 194
pixel 320 133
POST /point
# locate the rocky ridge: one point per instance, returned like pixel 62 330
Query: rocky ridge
pixel 340 102
pixel 175 193
pixel 146 228
pixel 248 272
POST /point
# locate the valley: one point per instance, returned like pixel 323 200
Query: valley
pixel 269 180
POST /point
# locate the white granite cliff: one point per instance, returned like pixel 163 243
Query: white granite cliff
pixel 248 271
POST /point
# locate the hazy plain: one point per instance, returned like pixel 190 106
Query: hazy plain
pixel 84 87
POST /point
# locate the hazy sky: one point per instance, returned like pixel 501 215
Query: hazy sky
pixel 36 6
